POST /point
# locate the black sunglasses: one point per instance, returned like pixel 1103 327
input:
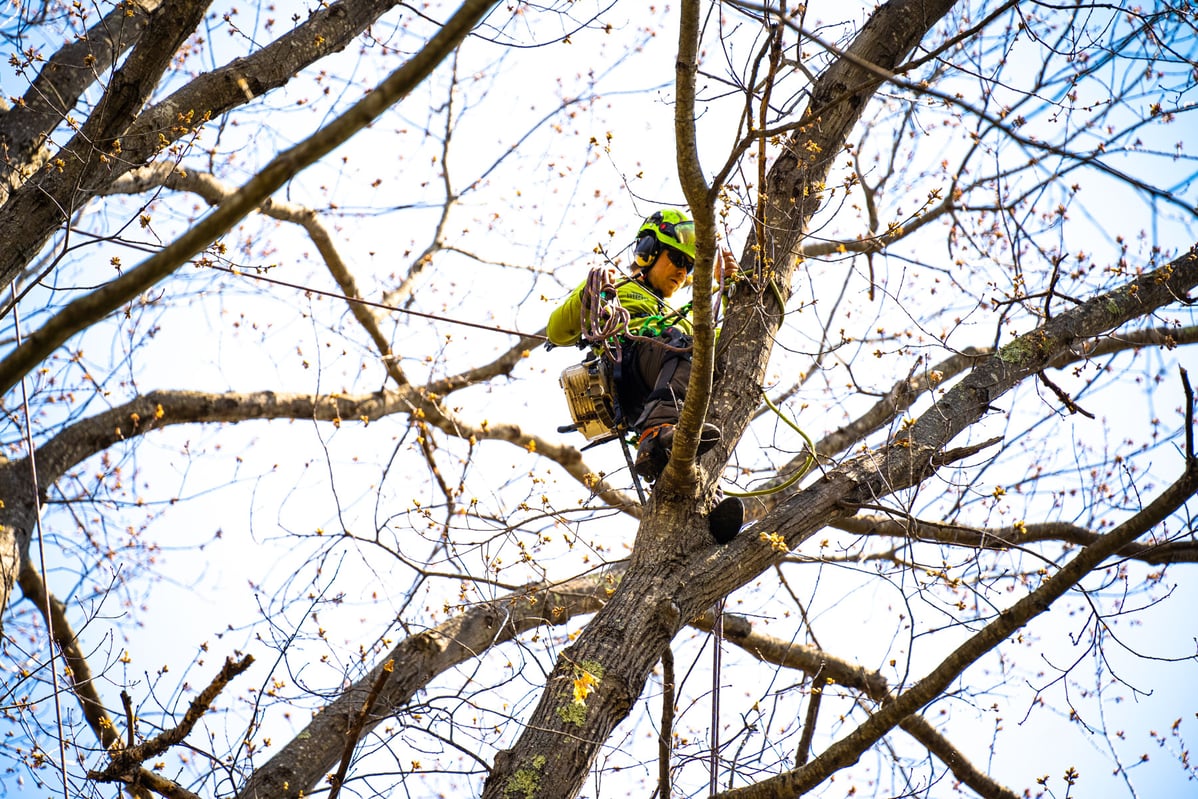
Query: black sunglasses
pixel 679 258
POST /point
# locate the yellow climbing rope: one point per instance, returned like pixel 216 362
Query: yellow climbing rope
pixel 799 473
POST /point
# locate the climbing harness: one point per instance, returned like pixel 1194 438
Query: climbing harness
pixel 590 386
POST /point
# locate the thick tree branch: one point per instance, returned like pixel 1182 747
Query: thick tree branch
pixel 84 311
pixel 138 780
pixel 59 85
pixel 814 698
pixel 353 730
pixel 305 761
pixel 849 749
pixel 90 157
pixel 1004 538
pixel 158 409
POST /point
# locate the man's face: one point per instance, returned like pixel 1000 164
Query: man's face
pixel 665 275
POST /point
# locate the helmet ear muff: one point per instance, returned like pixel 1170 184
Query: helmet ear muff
pixel 646 251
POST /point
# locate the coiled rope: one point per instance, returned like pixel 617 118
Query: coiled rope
pixel 604 320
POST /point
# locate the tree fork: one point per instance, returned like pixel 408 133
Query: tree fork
pixel 886 39
pixel 711 573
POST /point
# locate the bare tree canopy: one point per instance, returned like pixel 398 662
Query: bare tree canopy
pixel 290 505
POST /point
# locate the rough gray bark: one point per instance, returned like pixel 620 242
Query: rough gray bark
pixel 58 87
pixel 93 154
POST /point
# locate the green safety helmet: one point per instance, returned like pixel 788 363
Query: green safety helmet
pixel 665 228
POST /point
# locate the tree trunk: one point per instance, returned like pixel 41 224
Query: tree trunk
pixel 664 587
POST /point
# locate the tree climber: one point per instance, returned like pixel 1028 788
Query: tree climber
pixel 651 358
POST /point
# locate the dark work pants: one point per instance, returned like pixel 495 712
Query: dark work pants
pixel 652 379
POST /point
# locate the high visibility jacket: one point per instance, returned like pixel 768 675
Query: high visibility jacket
pixel 639 299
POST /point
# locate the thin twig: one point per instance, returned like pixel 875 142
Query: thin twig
pixel 1065 399
pixel 126 762
pixel 817 694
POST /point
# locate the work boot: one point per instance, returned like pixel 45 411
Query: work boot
pixel 652 452
pixel 653 449
pixel 725 519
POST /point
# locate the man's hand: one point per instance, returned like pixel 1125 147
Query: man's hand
pixel 609 275
pixel 725 267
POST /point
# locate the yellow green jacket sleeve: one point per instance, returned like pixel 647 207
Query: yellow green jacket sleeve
pixel 565 323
